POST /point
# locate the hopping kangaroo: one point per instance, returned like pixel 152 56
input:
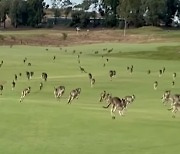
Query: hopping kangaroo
pixel 90 76
pixel 112 73
pixel 173 99
pixel 92 82
pixel 82 69
pixel 74 94
pixel 59 91
pixel 168 97
pixel 155 85
pixel 44 76
pixel 1 89
pixel 103 96
pixel 175 107
pixel 116 103
pixel 24 93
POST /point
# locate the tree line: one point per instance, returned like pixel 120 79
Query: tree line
pixel 22 12
pixel 137 13
pixel 134 13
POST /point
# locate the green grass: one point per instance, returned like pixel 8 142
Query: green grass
pixel 43 125
pixel 165 52
pixel 156 31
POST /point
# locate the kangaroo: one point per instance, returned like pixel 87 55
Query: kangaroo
pixel 13 84
pixel 1 89
pixel 82 69
pixel 44 76
pixel 24 93
pixel 116 103
pixel 112 73
pixel 40 86
pixel 174 76
pixel 175 107
pixel 28 75
pixel 103 96
pixel 59 91
pixel 92 82
pixel 168 97
pixel 155 85
pixel 74 94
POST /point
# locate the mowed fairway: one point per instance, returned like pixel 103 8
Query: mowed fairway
pixel 43 125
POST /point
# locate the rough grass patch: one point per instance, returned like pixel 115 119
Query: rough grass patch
pixel 64 36
pixel 2 37
pixel 12 37
pixel 162 53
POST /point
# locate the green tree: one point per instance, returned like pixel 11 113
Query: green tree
pixel 85 19
pixel 66 3
pixel 18 12
pixel 76 20
pixel 35 12
pixel 14 12
pixel 131 12
pixel 80 18
pixel 172 7
pixel 110 6
pixel 87 3
pixel 59 5
pixel 24 13
pixel 108 10
pixel 93 15
pixel 57 14
pixel 67 11
pixel 155 11
pixel 4 10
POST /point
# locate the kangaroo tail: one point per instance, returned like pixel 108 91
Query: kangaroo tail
pixel 170 109
pixel 107 106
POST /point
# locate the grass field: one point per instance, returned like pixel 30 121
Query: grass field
pixel 43 125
